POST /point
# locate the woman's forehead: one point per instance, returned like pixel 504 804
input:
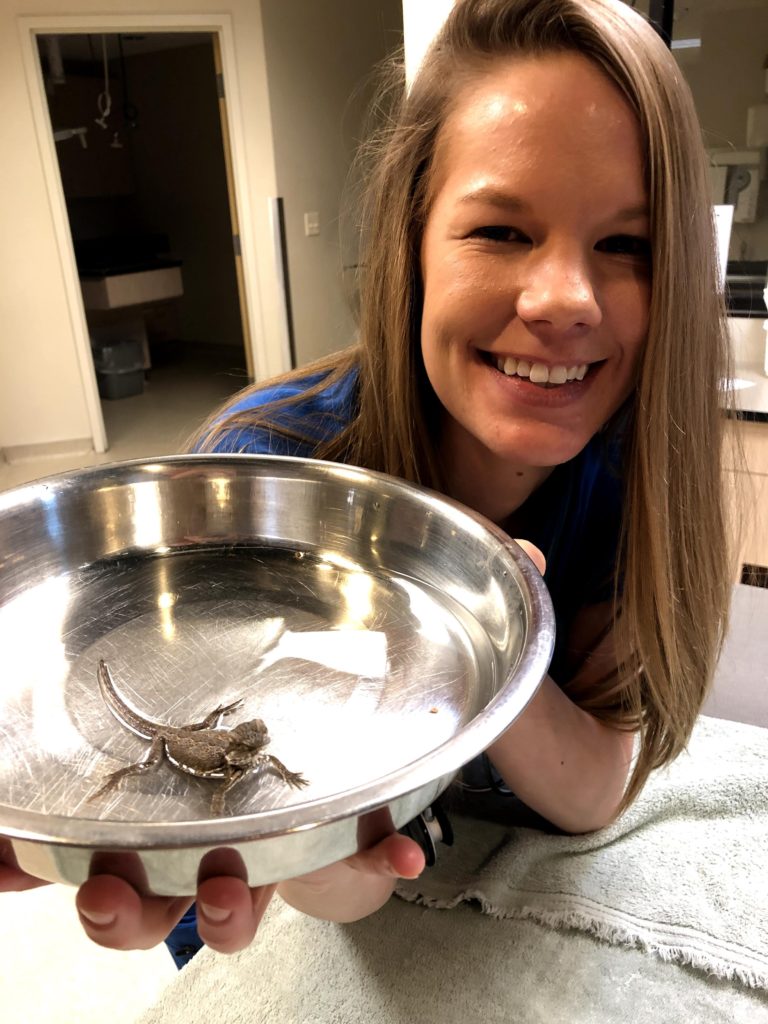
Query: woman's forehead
pixel 537 113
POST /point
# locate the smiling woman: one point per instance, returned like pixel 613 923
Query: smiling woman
pixel 537 208
pixel 540 338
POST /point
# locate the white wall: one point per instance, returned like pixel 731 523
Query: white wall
pixel 319 61
pixel 42 393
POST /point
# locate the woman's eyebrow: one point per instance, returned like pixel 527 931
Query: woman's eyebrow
pixel 634 212
pixel 495 196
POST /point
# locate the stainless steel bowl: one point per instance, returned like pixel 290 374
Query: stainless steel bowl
pixel 385 635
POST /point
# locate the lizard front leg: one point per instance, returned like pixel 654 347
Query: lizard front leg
pixel 152 762
pixel 294 779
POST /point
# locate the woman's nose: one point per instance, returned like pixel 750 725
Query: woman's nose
pixel 558 293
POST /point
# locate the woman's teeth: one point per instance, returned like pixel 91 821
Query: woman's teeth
pixel 538 373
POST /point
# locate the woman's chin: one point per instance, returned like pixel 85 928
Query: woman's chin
pixel 541 447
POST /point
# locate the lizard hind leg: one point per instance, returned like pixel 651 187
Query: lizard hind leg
pixel 211 721
pixel 234 775
pixel 152 762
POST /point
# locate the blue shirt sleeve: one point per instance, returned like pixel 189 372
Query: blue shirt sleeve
pixel 318 418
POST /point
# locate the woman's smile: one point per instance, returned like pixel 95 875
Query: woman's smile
pixel 540 373
pixel 538 382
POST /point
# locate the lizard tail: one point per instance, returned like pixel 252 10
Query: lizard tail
pixel 122 711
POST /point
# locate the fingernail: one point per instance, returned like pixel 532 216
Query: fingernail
pixel 216 915
pixel 101 920
pixel 411 875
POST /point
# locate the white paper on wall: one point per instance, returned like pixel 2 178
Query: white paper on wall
pixel 422 20
pixel 723 222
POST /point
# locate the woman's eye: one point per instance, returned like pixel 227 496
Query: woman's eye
pixel 498 233
pixel 626 245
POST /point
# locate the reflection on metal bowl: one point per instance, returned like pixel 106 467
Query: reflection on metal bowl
pixel 385 636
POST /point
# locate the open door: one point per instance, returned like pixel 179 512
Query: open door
pixel 148 187
pixel 218 64
pixel 245 307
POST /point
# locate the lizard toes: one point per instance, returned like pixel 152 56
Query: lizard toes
pixel 101 791
pixel 226 709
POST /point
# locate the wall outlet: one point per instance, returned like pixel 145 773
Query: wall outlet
pixel 311 223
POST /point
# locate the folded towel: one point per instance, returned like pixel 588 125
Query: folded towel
pixel 683 873
pixel 411 965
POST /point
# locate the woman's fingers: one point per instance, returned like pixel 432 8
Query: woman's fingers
pixel 14 880
pixel 534 554
pixel 111 911
pixel 358 886
pixel 228 912
pixel 114 915
pixel 396 857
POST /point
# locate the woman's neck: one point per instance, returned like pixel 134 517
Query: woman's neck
pixel 483 481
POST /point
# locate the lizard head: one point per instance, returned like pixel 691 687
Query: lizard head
pixel 252 734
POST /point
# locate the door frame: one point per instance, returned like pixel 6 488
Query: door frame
pixel 220 25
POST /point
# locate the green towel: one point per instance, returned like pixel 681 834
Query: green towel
pixel 683 873
pixel 411 965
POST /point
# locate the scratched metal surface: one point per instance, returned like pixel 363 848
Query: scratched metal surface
pixel 371 626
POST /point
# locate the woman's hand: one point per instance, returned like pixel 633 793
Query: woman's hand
pixel 357 886
pixel 114 914
pixel 534 554
pixel 111 911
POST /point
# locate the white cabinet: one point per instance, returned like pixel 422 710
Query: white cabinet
pixel 119 290
pixel 748 487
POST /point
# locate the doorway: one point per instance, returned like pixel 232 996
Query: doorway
pixel 136 119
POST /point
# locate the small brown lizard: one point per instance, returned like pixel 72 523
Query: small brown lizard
pixel 201 749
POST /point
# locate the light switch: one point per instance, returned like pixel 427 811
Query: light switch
pixel 312 223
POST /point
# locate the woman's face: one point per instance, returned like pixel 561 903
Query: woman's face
pixel 535 262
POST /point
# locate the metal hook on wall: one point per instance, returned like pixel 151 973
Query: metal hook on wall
pixel 104 99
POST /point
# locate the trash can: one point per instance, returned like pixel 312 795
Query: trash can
pixel 119 368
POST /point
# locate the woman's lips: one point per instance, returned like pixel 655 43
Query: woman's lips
pixel 540 373
pixel 542 393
